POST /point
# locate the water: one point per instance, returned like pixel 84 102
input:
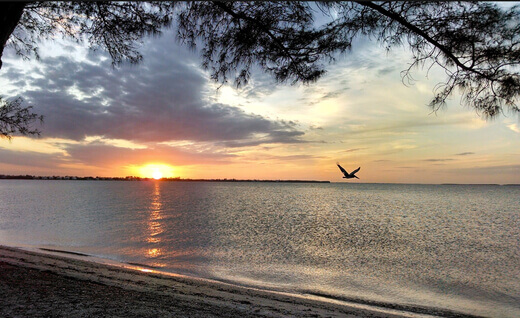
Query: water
pixel 420 247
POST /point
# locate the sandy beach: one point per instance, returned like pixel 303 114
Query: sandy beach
pixel 58 284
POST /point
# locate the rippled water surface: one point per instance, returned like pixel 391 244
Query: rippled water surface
pixel 449 247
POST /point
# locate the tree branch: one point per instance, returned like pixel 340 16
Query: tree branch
pixel 239 16
pixel 10 14
pixel 424 35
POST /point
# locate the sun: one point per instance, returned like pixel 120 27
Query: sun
pixel 157 175
pixel 156 171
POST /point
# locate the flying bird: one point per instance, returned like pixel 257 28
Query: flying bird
pixel 346 174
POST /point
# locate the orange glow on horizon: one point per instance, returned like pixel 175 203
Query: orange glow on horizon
pixel 155 171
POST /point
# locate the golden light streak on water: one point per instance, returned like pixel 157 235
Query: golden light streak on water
pixel 154 222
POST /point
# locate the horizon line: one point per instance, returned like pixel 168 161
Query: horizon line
pixel 177 179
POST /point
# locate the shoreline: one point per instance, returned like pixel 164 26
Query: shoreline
pixel 132 178
pixel 163 292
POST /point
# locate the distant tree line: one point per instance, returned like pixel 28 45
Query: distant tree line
pixel 134 178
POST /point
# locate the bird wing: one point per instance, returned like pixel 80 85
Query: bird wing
pixel 342 170
pixel 356 170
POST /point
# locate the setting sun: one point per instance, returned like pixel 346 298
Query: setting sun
pixel 155 171
pixel 157 175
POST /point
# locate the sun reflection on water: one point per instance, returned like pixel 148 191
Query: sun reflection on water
pixel 155 225
pixel 154 252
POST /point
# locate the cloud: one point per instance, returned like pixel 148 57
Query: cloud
pixel 353 149
pixel 315 95
pixel 386 70
pixel 438 160
pixel 163 99
pixel 511 170
pixel 107 159
pixel 32 159
pixel 259 86
pixel 464 153
pixel 514 127
pixel 286 158
pixel 103 155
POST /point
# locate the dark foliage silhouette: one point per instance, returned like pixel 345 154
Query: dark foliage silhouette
pixel 14 117
pixel 475 43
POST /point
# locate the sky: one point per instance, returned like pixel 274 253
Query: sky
pixel 165 114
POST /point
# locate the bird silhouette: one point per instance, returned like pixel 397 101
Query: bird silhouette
pixel 346 174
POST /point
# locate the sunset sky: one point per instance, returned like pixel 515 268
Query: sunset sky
pixel 165 111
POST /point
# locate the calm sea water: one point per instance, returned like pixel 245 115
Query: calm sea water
pixel 422 247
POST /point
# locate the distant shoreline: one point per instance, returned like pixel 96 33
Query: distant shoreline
pixel 133 178
pixel 178 179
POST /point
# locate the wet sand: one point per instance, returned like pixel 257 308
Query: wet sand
pixel 37 284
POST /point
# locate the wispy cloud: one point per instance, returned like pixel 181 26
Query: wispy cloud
pixel 514 127
pixel 464 153
pixel 32 159
pixel 353 149
pixel 512 170
pixel 108 155
pixel 286 158
pixel 437 160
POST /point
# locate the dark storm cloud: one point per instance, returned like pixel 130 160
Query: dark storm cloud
pixel 161 99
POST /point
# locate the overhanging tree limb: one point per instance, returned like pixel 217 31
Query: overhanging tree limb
pixel 10 14
pixel 477 43
pixel 422 34
pixel 15 118
pixel 266 30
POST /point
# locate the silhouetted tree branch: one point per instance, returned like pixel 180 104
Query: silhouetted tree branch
pixel 477 44
pixel 10 14
pixel 14 118
pixel 277 36
pixel 116 27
